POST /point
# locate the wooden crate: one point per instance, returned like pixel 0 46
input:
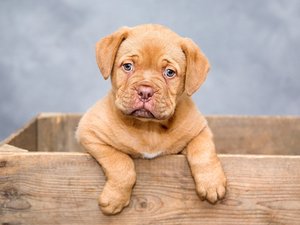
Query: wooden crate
pixel 46 178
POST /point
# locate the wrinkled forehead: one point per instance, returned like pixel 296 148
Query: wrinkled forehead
pixel 150 49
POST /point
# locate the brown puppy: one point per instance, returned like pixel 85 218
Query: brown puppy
pixel 149 112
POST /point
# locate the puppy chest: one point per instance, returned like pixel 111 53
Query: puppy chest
pixel 153 155
pixel 150 145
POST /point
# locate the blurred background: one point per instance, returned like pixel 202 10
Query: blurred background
pixel 47 56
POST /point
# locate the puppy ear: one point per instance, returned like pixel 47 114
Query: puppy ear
pixel 107 48
pixel 197 66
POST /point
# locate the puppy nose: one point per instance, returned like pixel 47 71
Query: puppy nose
pixel 145 93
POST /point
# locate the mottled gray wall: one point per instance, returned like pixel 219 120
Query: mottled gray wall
pixel 47 53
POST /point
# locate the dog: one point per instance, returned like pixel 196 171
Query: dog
pixel 149 112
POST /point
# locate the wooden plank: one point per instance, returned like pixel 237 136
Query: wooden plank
pixel 56 132
pixel 274 135
pixel 269 135
pixel 11 148
pixel 62 188
pixel 25 138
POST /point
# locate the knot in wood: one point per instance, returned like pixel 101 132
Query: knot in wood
pixel 3 163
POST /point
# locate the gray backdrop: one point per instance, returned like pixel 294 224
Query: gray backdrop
pixel 47 60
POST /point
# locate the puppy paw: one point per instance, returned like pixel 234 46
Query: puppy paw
pixel 211 185
pixel 112 200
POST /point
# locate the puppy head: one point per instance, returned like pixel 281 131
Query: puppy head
pixel 151 67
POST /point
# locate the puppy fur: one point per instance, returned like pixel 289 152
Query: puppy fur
pixel 149 112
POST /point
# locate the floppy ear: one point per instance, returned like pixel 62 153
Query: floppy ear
pixel 107 48
pixel 197 66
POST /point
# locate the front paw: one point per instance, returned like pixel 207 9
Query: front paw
pixel 211 185
pixel 112 200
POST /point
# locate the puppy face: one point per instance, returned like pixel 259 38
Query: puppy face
pixel 150 67
pixel 149 75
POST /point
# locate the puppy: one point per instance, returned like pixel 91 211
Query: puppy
pixel 149 112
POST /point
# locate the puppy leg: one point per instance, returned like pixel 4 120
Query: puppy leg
pixel 119 170
pixel 206 167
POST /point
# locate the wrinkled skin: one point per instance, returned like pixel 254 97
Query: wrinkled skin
pixel 149 60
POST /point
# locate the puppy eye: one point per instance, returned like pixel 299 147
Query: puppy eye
pixel 169 73
pixel 127 67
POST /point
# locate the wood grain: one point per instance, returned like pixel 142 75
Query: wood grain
pixel 62 188
pixel 25 137
pixel 56 132
pixel 270 135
